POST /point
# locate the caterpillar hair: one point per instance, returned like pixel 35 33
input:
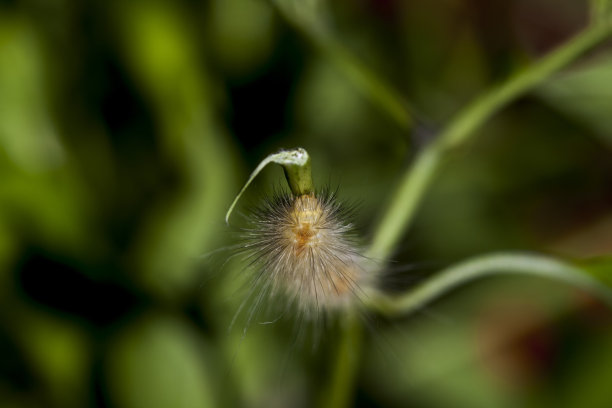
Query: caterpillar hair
pixel 302 245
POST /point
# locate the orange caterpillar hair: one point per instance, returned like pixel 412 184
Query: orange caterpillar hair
pixel 305 247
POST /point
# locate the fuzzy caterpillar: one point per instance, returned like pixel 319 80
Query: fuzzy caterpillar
pixel 301 243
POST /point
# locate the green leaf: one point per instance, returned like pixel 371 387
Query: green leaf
pixel 163 59
pixel 584 94
pixel 159 362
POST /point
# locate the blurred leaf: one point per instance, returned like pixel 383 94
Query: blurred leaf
pixel 329 105
pixel 588 384
pixel 242 33
pixel 429 356
pixel 462 76
pixel 159 362
pixel 477 347
pixel 600 268
pixel 61 223
pixel 261 361
pixel 162 56
pixel 8 248
pixel 41 194
pixel 584 94
pixel 312 18
pixel 60 355
pixel 27 132
pixel 590 240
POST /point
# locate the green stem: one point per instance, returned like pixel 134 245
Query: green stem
pixel 381 94
pixel 299 177
pixel 345 367
pixel 371 85
pixel 600 9
pixel 417 178
pixel 488 265
pixel 404 204
pixel 491 102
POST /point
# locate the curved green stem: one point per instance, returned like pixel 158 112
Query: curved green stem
pixel 339 393
pixel 489 265
pixel 414 183
pixel 417 178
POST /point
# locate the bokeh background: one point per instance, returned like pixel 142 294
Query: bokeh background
pixel 126 129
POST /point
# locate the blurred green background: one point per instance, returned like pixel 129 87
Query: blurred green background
pixel 126 128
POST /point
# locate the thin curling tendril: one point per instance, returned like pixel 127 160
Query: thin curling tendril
pixel 295 163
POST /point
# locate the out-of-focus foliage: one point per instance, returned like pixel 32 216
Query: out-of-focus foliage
pixel 585 94
pixel 126 128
